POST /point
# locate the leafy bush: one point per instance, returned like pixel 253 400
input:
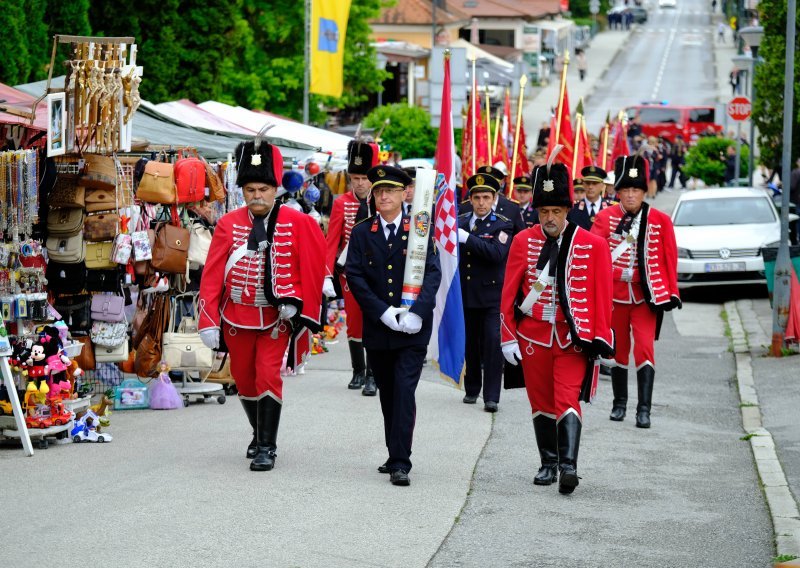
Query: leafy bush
pixel 706 160
pixel 409 131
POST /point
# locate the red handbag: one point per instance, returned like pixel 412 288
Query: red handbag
pixel 190 178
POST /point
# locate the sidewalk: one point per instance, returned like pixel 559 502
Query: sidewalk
pixel 600 55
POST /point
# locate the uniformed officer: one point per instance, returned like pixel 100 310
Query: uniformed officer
pixel 484 238
pixel 396 338
pixel 556 313
pixel 409 195
pixel 508 208
pixel 578 191
pixel 644 255
pixel 610 190
pixel 524 191
pixel 585 210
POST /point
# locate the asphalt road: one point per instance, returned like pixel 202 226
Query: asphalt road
pixel 669 58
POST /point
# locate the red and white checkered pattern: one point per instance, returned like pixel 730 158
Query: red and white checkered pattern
pixel 446 229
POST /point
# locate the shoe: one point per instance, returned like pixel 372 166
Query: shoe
pixel 269 417
pixel 400 477
pixel 546 440
pixel 358 380
pixel 384 468
pixel 645 378
pixel 567 480
pixel 358 365
pixel 370 388
pixel 605 370
pixel 619 385
pixel 468 399
pixel 490 406
pixel 569 440
pixel 546 475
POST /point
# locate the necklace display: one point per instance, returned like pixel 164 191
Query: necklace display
pixel 19 192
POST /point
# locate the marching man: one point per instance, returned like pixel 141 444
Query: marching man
pixel 555 315
pixel 645 263
pixel 361 156
pixel 262 282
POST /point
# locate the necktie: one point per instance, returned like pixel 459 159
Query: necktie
pixel 408 209
pixel 625 224
pixel 591 210
pixel 549 254
pixel 391 227
pixel 258 234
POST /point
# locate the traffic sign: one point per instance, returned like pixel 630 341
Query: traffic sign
pixel 594 6
pixel 739 108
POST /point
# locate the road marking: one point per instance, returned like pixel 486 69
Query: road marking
pixel 663 66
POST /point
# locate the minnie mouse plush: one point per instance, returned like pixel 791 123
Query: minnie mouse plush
pixel 57 361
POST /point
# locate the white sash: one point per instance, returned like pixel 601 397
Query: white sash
pixel 343 256
pixel 237 255
pixel 536 290
pixel 628 240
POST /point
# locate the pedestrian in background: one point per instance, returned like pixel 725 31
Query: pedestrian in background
pixel 677 158
pixel 721 33
pixel 580 57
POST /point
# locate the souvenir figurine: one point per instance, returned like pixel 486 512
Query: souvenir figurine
pixel 164 395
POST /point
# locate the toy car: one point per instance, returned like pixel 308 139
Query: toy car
pixel 38 422
pixel 84 434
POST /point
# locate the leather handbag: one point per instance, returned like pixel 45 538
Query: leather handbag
pixel 107 334
pixel 100 173
pixel 157 184
pixel 75 311
pixel 171 249
pixel 65 278
pixel 182 348
pixel 98 255
pixel 107 307
pixel 100 200
pixel 111 354
pixel 64 222
pixel 102 227
pixel 190 178
pixel 147 341
pixel 216 191
pixel 103 280
pixel 66 193
pixel 199 244
pixel 68 250
pixel 85 359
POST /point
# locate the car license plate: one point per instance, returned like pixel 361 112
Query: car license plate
pixel 725 267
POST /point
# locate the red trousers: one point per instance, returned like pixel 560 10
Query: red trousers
pixel 640 320
pixel 553 378
pixel 256 360
pixel 355 325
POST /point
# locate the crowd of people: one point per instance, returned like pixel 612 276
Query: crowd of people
pixel 574 274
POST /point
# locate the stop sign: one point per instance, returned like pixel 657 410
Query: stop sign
pixel 739 108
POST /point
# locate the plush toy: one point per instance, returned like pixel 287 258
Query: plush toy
pixel 57 361
pixel 37 363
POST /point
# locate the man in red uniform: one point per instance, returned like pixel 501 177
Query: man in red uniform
pixel 261 285
pixel 361 156
pixel 555 315
pixel 645 262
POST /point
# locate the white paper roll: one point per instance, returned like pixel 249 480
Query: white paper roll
pixel 421 224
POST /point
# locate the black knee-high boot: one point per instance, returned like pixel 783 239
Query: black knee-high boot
pixel 645 377
pixel 251 410
pixel 269 417
pixel 547 441
pixel 619 385
pixel 357 362
pixel 569 440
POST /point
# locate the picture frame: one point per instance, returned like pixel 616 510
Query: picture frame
pixel 56 124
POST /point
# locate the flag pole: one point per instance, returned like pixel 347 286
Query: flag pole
pixel 472 109
pixel 604 145
pixel 489 128
pixel 496 130
pixel 578 121
pixel 522 81
pixel 561 95
pixel 307 56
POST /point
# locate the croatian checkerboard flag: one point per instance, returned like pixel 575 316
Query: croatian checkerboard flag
pixel 448 339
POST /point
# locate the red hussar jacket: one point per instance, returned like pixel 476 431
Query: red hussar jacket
pixel 580 313
pixel 343 218
pixel 653 258
pixel 232 287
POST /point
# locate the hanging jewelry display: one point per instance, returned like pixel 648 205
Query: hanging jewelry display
pixel 19 192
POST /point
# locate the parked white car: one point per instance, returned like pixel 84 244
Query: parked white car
pixel 667 3
pixel 720 233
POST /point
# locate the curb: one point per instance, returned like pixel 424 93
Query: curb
pixel 782 506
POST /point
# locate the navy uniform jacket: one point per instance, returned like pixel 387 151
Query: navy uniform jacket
pixel 508 208
pixel 579 214
pixel 529 216
pixel 375 275
pixel 482 259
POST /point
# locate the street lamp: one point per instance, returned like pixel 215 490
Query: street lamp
pixel 380 62
pixel 752 36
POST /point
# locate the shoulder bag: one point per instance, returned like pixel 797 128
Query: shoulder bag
pixel 171 249
pixel 68 250
pixel 100 173
pixel 157 184
pixel 64 222
pixel 182 347
pixel 101 227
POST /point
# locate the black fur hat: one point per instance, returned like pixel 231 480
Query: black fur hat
pixel 552 184
pixel 361 157
pixel 631 171
pixel 258 161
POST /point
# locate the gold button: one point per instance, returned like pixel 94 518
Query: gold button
pixel 391 294
pixel 389 281
pixel 469 253
pixel 468 277
pixel 469 266
pixel 389 267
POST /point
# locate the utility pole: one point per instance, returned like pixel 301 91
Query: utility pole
pixel 783 264
pixel 307 56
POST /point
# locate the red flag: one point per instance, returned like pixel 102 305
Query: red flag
pixel 501 150
pixel 522 155
pixel 565 137
pixel 474 117
pixel 445 163
pixel 602 152
pixel 620 147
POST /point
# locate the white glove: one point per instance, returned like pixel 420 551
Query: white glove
pixel 462 236
pixel 512 353
pixel 328 289
pixel 389 318
pixel 410 322
pixel 210 337
pixel 286 311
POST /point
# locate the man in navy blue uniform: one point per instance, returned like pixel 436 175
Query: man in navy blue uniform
pixel 585 210
pixel 524 191
pixel 396 338
pixel 508 208
pixel 485 237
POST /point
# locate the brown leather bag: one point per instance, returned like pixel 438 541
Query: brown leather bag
pixel 100 173
pixel 67 194
pixel 157 184
pixel 103 227
pixel 148 341
pixel 100 200
pixel 86 359
pixel 171 249
pixel 216 191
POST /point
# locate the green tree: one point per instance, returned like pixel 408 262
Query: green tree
pixel 65 18
pixel 15 65
pixel 37 39
pixel 409 130
pixel 706 160
pixel 769 81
